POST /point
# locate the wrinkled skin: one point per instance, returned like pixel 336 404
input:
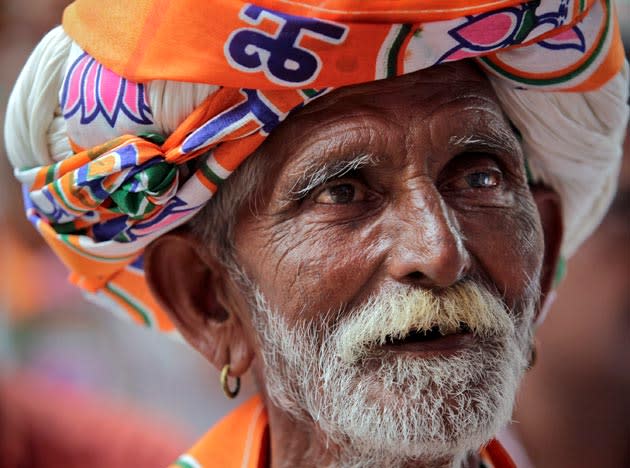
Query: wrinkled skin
pixel 443 198
pixel 420 222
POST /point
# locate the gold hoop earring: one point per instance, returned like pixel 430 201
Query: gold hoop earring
pixel 226 386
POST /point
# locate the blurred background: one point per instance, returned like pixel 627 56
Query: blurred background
pixel 78 384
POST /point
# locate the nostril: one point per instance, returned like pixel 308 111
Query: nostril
pixel 415 276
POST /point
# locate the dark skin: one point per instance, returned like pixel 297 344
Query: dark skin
pixel 443 197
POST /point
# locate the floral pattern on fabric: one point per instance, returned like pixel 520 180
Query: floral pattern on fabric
pixel 92 90
pixel 490 31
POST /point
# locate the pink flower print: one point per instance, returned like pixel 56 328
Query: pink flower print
pixel 570 39
pixel 96 91
pixel 494 30
pixel 487 32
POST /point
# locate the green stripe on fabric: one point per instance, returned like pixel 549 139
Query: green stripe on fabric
pixel 50 173
pixel 210 175
pixel 310 92
pixel 187 461
pixel 528 23
pixel 561 271
pixel 392 57
pixel 58 190
pixel 154 138
pixel 127 300
pixel 528 172
pixel 67 228
pixel 582 5
pixel 560 79
pixel 182 464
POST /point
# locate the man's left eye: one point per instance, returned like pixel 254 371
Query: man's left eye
pixel 474 178
pixel 483 179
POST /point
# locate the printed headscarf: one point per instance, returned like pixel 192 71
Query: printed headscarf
pixel 123 180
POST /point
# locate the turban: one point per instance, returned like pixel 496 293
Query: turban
pixel 126 120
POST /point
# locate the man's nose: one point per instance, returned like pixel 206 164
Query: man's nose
pixel 429 248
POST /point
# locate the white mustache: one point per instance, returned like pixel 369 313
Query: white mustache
pixel 393 315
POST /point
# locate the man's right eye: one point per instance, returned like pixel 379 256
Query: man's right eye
pixel 341 193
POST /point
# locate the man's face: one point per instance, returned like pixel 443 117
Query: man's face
pixel 394 258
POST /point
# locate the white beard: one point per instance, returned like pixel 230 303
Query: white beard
pixel 386 409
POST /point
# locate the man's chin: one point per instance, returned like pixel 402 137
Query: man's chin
pixel 417 407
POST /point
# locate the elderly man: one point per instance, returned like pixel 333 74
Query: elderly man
pixel 381 257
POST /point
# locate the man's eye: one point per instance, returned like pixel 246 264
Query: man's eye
pixel 341 194
pixel 483 179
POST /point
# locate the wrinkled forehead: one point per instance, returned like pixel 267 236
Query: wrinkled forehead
pixel 442 83
pixel 452 101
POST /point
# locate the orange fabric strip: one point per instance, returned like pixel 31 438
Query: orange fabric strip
pixel 497 455
pixel 152 43
pixel 400 11
pixel 236 441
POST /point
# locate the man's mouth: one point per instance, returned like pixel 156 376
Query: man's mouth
pixel 432 341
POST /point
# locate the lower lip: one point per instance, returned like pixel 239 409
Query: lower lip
pixel 439 346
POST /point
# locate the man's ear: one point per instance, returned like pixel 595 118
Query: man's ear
pixel 192 287
pixel 550 210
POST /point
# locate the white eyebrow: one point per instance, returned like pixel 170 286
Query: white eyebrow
pixel 316 175
pixel 464 140
pixel 497 138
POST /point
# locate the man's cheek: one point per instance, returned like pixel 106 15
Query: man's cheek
pixel 327 269
pixel 509 248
